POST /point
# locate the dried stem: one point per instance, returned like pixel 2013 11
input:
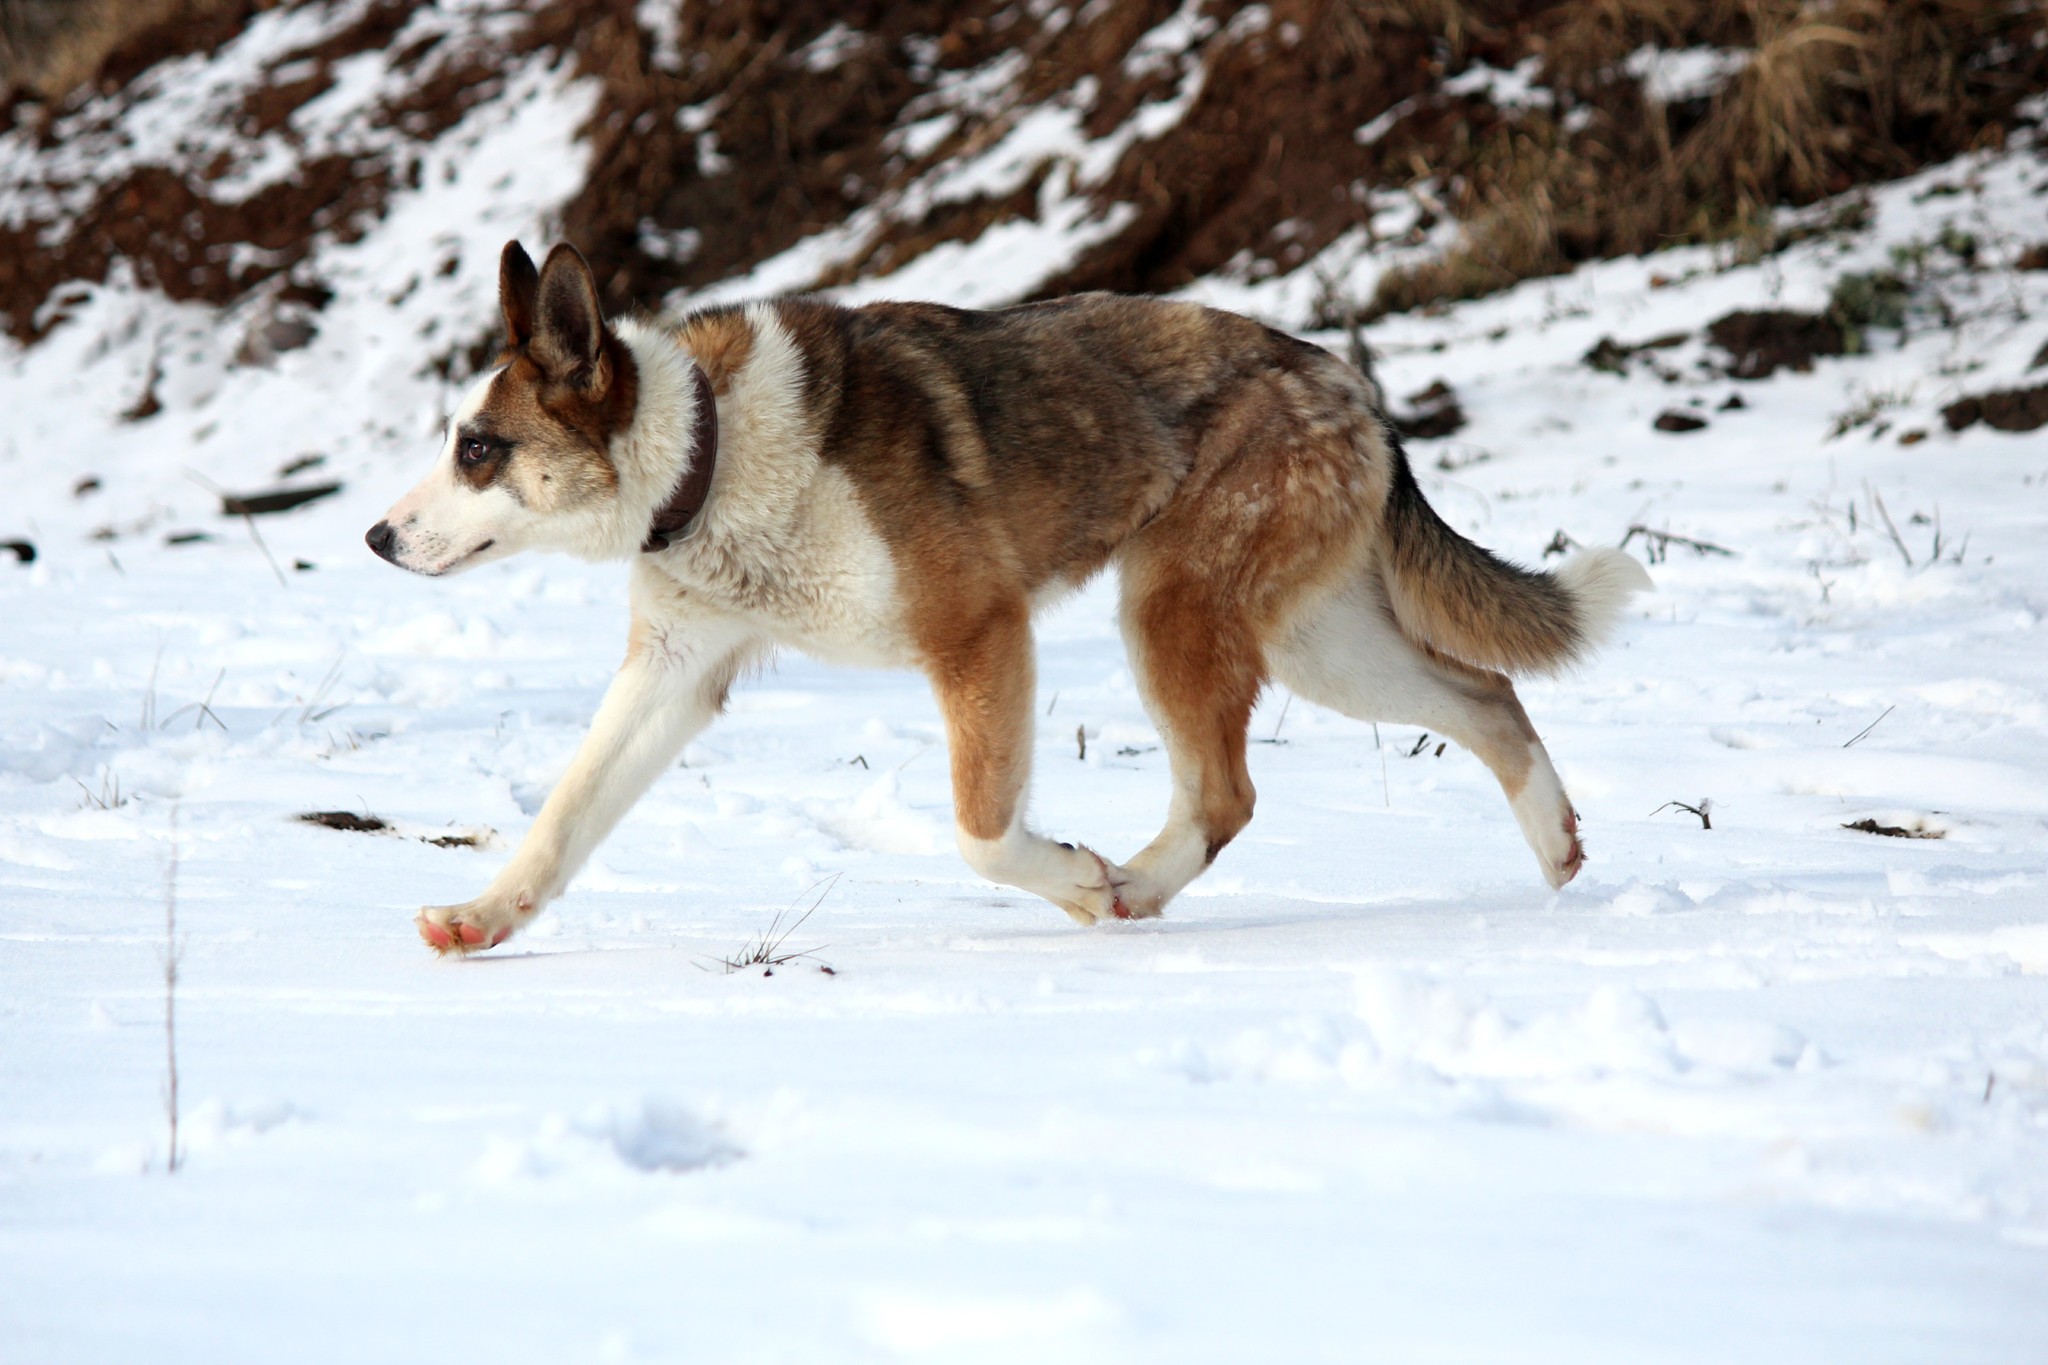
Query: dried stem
pixel 1877 501
pixel 171 954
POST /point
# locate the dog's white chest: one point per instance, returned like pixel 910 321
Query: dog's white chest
pixel 819 579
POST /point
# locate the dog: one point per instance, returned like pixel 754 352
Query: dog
pixel 904 484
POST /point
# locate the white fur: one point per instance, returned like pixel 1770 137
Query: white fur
pixel 784 552
pixel 1345 652
pixel 668 690
pixel 1077 880
pixel 1601 582
pixel 783 541
pixel 1548 824
pixel 443 525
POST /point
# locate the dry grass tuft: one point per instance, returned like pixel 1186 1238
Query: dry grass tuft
pixel 1831 95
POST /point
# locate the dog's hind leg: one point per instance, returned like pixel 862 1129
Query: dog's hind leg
pixel 983 677
pixel 674 682
pixel 1199 671
pixel 1345 652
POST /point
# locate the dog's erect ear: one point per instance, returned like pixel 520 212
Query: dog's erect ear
pixel 518 282
pixel 568 334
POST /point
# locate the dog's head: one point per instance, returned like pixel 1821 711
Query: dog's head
pixel 527 460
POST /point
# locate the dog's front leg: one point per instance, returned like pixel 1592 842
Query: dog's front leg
pixel 984 681
pixel 674 681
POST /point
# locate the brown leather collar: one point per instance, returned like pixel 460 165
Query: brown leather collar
pixel 683 505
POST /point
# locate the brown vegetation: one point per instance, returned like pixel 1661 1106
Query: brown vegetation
pixel 1833 95
pixel 765 121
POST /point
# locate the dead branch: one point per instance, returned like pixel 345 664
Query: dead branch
pixel 1702 810
pixel 1660 543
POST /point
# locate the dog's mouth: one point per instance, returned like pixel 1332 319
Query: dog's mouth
pixel 452 565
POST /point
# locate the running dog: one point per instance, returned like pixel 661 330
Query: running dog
pixel 903 484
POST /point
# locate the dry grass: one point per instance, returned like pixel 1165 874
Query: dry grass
pixel 1354 26
pixel 1833 95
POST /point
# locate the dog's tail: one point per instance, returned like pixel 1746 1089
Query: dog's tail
pixel 1456 597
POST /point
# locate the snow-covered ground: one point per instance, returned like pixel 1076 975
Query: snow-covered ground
pixel 1775 1090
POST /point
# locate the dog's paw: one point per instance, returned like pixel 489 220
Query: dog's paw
pixel 1103 898
pixel 482 923
pixel 1565 855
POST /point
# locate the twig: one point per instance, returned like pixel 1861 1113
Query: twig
pixel 1701 810
pixel 1081 741
pixel 109 796
pixel 320 694
pixel 149 695
pixel 1660 543
pixel 1285 702
pixel 1872 726
pixel 1421 743
pixel 254 534
pixel 204 708
pixel 1877 501
pixel 171 953
pixel 257 536
pixel 1054 702
pixel 1361 353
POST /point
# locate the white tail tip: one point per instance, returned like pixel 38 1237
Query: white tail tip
pixel 1601 583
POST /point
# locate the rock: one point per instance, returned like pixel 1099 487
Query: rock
pixel 277 500
pixel 1608 356
pixel 1611 357
pixel 1761 343
pixel 2003 410
pixel 24 553
pixel 1436 414
pixel 1671 419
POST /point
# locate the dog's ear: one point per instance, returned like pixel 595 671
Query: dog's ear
pixel 518 281
pixel 568 334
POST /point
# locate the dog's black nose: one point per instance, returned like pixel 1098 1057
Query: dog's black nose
pixel 383 540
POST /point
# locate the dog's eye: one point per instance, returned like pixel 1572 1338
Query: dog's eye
pixel 471 451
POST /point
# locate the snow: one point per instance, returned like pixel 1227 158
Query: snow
pixel 1516 89
pixel 1670 76
pixel 1776 1090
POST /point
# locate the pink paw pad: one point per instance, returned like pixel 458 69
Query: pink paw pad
pixel 435 935
pixel 470 933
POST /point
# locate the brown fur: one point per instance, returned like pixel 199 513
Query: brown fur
pixel 1454 595
pixel 721 341
pixel 552 414
pixel 555 437
pixel 1231 469
pixel 982 673
pixel 1261 513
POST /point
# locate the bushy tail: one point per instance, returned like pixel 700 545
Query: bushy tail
pixel 1456 597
